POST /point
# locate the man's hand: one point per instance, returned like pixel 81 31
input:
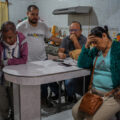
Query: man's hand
pixel 55 39
pixel 62 55
pixel 73 37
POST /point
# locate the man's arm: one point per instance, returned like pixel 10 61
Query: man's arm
pixel 61 53
pixel 75 41
pixel 55 39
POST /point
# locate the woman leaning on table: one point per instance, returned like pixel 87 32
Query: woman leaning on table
pixel 106 74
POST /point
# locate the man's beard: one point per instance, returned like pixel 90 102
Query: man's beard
pixel 33 22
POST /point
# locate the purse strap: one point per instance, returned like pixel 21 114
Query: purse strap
pixel 91 81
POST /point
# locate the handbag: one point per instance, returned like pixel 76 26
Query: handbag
pixel 91 102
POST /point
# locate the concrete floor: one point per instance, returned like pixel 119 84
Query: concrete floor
pixel 65 115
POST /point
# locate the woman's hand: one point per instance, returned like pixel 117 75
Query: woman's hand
pixel 90 41
pixel 117 94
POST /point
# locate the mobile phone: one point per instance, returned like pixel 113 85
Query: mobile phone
pixel 58 60
pixel 65 64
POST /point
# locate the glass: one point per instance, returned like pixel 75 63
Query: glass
pixel 74 30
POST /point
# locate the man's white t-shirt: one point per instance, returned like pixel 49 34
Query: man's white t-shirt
pixel 35 37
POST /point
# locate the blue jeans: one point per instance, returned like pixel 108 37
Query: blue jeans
pixel 69 84
pixel 75 85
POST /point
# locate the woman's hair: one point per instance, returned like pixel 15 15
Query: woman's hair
pixel 8 26
pixel 98 31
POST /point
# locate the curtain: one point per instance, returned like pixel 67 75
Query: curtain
pixel 3 12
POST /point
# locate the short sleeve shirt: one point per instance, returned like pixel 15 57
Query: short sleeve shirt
pixel 68 44
pixel 35 37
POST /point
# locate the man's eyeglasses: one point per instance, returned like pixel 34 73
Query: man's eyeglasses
pixel 74 30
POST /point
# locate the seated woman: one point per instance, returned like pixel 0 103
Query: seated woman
pixel 13 51
pixel 106 75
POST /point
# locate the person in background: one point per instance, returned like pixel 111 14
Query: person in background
pixel 13 51
pixel 74 41
pixel 35 32
pixel 106 75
